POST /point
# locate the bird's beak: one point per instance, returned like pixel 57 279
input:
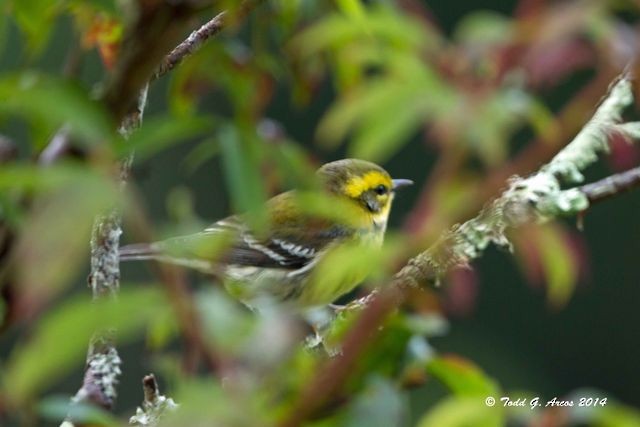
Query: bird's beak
pixel 399 183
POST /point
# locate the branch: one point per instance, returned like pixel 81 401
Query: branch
pixel 195 40
pixel 154 405
pixel 534 199
pixel 155 29
pixel 611 186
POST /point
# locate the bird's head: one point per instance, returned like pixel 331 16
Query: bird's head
pixel 364 183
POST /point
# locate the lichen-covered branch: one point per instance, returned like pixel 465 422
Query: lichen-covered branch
pixel 536 198
pixel 154 405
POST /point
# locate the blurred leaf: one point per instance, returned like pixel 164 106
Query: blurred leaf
pixel 58 408
pixel 203 152
pixel 559 263
pixel 188 81
pixel 547 254
pixel 55 102
pixel 388 90
pixel 180 205
pixel 389 124
pixel 30 178
pixel 597 408
pixel 390 355
pixel 429 325
pixel 345 266
pixel 494 119
pixel 543 121
pixel 11 212
pixel 462 377
pixel 293 165
pixel 381 24
pixel 225 321
pixel 380 404
pixel 35 19
pixel 484 27
pixel 63 335
pixel 352 8
pixel 463 412
pixel 385 111
pixel 616 415
pixel 204 402
pixel 111 7
pixel 100 30
pixel 53 232
pixel 242 169
pixel 4 25
pixel 162 330
pixel 158 133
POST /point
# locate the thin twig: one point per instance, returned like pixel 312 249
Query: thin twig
pixel 611 185
pixel 154 405
pixel 195 40
pixel 198 37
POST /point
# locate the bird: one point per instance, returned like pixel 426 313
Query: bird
pixel 281 263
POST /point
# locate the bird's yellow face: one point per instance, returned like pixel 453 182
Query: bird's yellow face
pixel 366 184
pixel 374 192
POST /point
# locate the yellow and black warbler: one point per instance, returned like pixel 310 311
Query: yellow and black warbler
pixel 279 263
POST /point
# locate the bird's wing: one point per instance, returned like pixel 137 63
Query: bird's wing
pixel 294 240
pixel 278 249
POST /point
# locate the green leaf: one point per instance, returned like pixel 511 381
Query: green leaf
pixel 108 6
pixel 57 408
pixel 559 264
pixel 463 412
pixel 241 163
pixel 617 415
pixel 30 178
pixel 204 402
pixel 4 25
pixel 547 249
pixel 198 156
pixel 495 118
pixel 55 102
pixel 35 19
pixel 293 165
pixel 484 27
pixel 352 8
pixel 64 333
pixel 158 133
pixel 462 377
pixel 380 25
pixel 52 231
pixel 385 111
pixel 389 126
pixel 226 322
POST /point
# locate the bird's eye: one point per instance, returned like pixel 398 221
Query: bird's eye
pixel 381 189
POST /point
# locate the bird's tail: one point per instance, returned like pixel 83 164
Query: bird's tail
pixel 139 251
pixel 159 252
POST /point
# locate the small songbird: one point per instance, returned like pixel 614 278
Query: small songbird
pixel 279 263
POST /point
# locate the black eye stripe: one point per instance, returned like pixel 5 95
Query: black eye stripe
pixel 381 189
